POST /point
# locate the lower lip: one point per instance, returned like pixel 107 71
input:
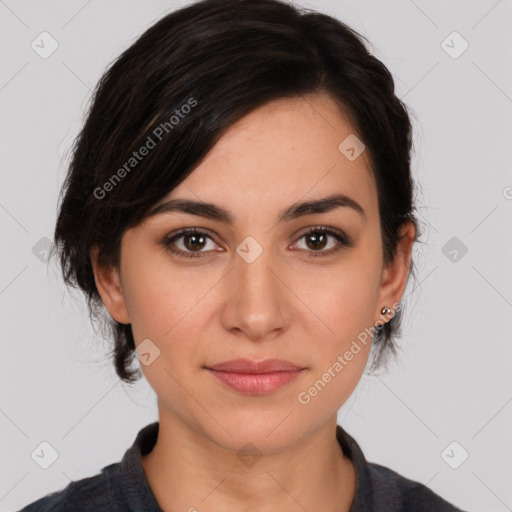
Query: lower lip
pixel 256 383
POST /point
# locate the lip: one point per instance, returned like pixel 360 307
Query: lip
pixel 255 377
pixel 259 367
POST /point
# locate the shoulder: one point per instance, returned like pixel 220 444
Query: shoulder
pixel 380 488
pixel 392 489
pixel 94 493
pixel 118 487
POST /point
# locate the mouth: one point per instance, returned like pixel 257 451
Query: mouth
pixel 259 367
pixel 255 377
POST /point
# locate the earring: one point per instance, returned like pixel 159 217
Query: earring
pixel 385 310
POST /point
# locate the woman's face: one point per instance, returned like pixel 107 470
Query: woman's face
pixel 258 287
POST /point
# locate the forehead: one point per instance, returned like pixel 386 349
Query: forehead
pixel 286 150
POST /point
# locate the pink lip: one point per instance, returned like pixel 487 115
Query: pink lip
pixel 249 366
pixel 255 377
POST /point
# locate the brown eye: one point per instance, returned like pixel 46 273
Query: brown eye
pixel 188 243
pixel 194 242
pixel 317 239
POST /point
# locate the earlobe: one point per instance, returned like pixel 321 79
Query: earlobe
pixel 395 274
pixel 109 287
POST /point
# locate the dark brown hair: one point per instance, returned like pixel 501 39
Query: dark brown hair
pixel 178 88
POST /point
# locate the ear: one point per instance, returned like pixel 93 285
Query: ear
pixel 109 287
pixel 394 276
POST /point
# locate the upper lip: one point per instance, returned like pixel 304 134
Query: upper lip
pixel 250 366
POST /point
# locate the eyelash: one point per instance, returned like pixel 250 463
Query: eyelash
pixel 343 240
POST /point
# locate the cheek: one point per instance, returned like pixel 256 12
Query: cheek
pixel 165 309
pixel 343 303
pixel 343 298
pixel 160 302
pixel 342 343
pixel 350 308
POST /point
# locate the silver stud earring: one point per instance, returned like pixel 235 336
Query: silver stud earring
pixel 385 310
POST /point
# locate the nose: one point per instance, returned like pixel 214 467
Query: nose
pixel 256 299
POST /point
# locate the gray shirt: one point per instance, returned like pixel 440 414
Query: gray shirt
pixel 123 487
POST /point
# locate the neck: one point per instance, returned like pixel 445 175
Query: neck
pixel 186 469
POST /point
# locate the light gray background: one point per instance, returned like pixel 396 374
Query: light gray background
pixel 453 381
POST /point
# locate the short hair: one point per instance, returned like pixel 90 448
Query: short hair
pixel 185 81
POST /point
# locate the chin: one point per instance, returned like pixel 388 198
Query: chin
pixel 266 432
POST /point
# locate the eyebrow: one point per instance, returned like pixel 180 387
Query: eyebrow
pixel 296 210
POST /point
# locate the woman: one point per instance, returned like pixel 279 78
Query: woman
pixel 244 200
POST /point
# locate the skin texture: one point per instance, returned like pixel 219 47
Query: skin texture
pixel 217 307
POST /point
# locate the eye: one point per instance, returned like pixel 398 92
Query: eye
pixel 316 239
pixel 191 241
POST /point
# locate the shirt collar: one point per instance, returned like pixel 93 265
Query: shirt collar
pixel 363 498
